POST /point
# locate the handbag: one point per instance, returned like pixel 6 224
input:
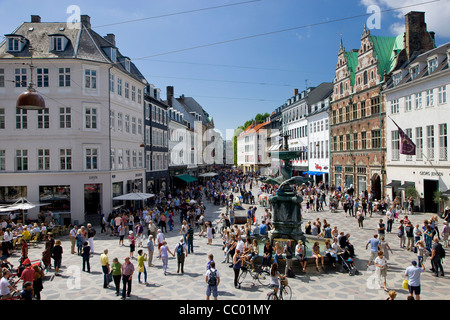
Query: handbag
pixel 405 284
pixel 109 277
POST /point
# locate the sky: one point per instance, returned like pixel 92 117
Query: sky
pixel 236 58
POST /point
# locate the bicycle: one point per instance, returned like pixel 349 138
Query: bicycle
pixel 284 293
pixel 263 276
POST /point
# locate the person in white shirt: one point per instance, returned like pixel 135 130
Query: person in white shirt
pixel 5 286
pixel 240 244
pixel 159 238
pixel 380 263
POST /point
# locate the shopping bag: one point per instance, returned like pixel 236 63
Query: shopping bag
pixel 405 284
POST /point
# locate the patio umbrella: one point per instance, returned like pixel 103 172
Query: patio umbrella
pixel 134 196
pixel 23 204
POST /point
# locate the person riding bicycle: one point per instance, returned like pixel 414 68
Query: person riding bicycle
pixel 275 276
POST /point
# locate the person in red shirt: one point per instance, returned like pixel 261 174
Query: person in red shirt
pixel 28 273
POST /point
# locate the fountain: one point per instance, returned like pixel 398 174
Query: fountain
pixel 286 216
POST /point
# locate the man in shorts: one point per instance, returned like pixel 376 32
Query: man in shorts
pixel 412 273
pixel 212 279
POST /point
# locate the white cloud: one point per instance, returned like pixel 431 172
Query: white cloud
pixel 437 13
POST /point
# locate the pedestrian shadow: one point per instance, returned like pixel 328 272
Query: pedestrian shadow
pixel 252 287
pixel 190 274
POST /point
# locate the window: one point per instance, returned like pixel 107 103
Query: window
pixel 395 106
pixel 57 43
pixel 127 159
pixel 91 158
pixel 432 65
pixel 134 159
pixel 375 105
pixel 14 44
pixel 64 77
pixel 2 118
pixel 65 118
pixel 355 141
pixel 363 109
pixel 408 132
pixel 419 100
pixel 113 159
pixel 396 79
pixel 65 159
pixel 414 72
pixel 91 118
pixel 340 115
pixel 139 127
pixel 111 82
pixel 20 77
pixel 443 142
pixel 127 123
pixel 355 111
pixel 395 143
pixel 43 119
pixel 2 78
pixel 366 80
pixel 21 160
pixel 119 159
pixel 376 139
pixel 442 94
pixel 430 142
pixel 111 120
pixel 139 96
pixel 119 121
pixel 341 142
pixel 348 142
pixel 90 79
pixel 127 90
pixel 133 125
pixel 43 159
pixel 347 113
pixel 21 119
pixel 2 160
pixel 363 140
pixel 133 93
pixel 408 103
pixel 42 77
pixel 119 86
pixel 430 98
pixel 334 143
pixel 419 143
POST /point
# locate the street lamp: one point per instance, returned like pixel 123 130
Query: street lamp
pixel 30 99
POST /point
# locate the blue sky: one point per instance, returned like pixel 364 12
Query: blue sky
pixel 236 80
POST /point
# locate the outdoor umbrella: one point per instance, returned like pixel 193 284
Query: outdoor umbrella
pixel 134 196
pixel 22 204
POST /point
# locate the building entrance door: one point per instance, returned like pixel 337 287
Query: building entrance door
pixel 429 188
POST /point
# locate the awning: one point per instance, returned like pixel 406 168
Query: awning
pixel 275 147
pixel 406 185
pixel 208 174
pixel 393 184
pixel 187 178
pixel 446 193
pixel 313 173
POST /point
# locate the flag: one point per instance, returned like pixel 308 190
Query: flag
pixel 406 145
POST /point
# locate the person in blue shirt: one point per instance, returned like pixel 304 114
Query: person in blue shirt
pixel 262 229
pixel 374 248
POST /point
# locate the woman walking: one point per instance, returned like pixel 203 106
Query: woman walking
pixel 141 265
pixel 164 255
pixel 237 263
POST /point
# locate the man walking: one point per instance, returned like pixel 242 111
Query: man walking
pixel 181 252
pixel 212 279
pixel 127 273
pixel 104 260
pixel 374 248
pixel 190 239
pixel 412 273
pixel 91 234
pixel 436 256
pixel 73 239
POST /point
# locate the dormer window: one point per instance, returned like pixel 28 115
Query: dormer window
pixel 127 64
pixel 432 64
pixel 114 55
pixel 396 78
pixel 414 71
pixel 58 42
pixel 16 43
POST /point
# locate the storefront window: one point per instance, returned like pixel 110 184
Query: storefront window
pixel 11 194
pixel 58 197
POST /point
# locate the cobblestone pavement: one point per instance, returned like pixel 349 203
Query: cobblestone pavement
pixel 330 284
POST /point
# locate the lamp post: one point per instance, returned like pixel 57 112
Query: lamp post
pixel 30 99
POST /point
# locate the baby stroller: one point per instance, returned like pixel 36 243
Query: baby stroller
pixel 347 264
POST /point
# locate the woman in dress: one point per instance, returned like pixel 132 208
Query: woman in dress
pixel 209 232
pixel 316 255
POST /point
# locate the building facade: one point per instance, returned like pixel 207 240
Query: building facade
pixel 86 146
pixel 416 96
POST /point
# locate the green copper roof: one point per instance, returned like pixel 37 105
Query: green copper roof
pixel 386 50
pixel 352 63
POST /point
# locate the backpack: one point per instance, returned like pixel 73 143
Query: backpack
pixel 441 251
pixel 180 249
pixel 212 281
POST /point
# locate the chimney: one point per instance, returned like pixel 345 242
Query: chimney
pixel 417 38
pixel 111 37
pixel 86 21
pixel 169 93
pixel 295 92
pixel 35 19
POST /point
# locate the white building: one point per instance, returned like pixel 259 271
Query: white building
pixel 417 101
pixel 319 133
pixel 86 146
pixel 252 148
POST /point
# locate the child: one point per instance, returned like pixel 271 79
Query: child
pixel 132 240
pixel 27 292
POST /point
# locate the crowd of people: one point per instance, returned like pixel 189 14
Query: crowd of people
pixel 182 213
